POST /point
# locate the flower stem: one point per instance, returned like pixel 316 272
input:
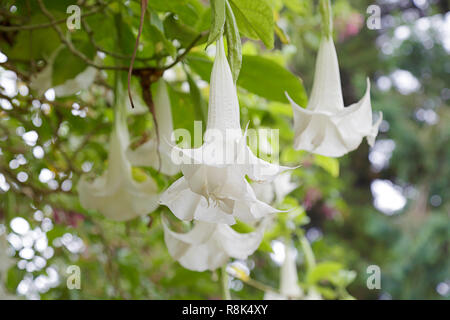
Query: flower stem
pixel 258 285
pixel 327 18
pixel 225 289
pixel 309 254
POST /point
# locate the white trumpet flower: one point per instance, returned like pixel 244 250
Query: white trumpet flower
pixel 326 127
pixel 82 81
pixel 208 246
pixel 275 190
pixel 43 81
pixel 289 288
pixel 115 193
pixel 289 280
pixel 149 154
pixel 214 187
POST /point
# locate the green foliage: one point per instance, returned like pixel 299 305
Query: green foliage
pixel 233 43
pixel 254 19
pixel 256 76
pixel 217 20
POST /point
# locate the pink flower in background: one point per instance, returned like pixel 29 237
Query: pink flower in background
pixel 69 218
pixel 349 26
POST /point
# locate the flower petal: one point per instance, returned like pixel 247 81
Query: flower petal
pixel 187 205
pixel 209 246
pixel 82 81
pixel 115 193
pixel 196 250
pixel 123 202
pixel 148 153
pixel 326 94
pixel 289 279
pixel 223 112
pixel 240 245
pixel 334 135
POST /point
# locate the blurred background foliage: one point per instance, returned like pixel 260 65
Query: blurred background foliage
pixel 387 205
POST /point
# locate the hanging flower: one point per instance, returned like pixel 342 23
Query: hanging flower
pixel 43 80
pixel 289 280
pixel 289 288
pixel 275 190
pixel 115 193
pixel 82 81
pixel 150 153
pixel 214 187
pixel 208 246
pixel 326 127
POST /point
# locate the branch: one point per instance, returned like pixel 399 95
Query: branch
pixel 70 45
pixel 111 53
pixel 144 4
pixel 47 25
pixel 11 67
pixel 186 51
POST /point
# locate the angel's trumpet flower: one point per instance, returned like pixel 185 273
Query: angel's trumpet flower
pixel 115 193
pixel 208 246
pixel 275 190
pixel 214 187
pixel 43 80
pixel 289 288
pixel 151 152
pixel 326 127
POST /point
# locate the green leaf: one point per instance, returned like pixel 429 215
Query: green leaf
pixel 270 80
pixel 265 245
pixel 183 111
pixel 68 66
pixel 298 7
pixel 201 64
pixel 331 165
pixel 199 103
pixel 242 227
pixel 184 9
pixel 255 20
pixel 174 29
pixel 234 45
pixel 217 20
pixel 160 43
pixel 323 271
pixel 39 44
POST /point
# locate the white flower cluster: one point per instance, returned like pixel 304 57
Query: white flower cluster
pixel 214 191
